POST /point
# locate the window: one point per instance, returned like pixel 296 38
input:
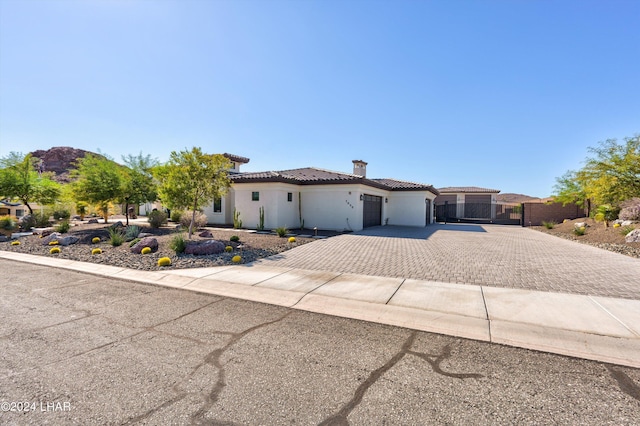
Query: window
pixel 289 196
pixel 217 205
pixel 233 165
pixel 255 196
pixel 19 213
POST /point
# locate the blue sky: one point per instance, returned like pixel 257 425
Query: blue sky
pixel 500 94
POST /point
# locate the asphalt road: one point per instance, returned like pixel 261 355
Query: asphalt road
pixel 81 349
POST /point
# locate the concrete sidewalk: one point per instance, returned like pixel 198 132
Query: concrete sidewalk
pixel 597 328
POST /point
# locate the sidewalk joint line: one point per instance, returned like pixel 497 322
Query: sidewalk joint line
pixel 394 293
pixel 613 316
pixel 314 289
pixel 486 311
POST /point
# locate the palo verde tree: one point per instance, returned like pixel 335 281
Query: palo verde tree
pixel 138 184
pixel 19 179
pixel 98 182
pixel 610 176
pixel 192 179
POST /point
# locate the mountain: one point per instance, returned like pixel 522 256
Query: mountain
pixel 60 160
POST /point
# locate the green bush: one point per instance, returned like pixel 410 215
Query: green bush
pixel 61 214
pixel 27 222
pixel 63 227
pixel 579 231
pixel 234 238
pixel 282 231
pixel 157 218
pixel 176 215
pixel 626 229
pixel 178 244
pixel 132 232
pixel 8 223
pixel 548 225
pixel 237 222
pixel 116 237
pixel 42 219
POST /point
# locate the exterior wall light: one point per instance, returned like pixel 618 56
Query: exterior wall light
pixel 386 200
pixel 361 197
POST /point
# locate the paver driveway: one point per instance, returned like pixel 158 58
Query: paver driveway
pixel 492 255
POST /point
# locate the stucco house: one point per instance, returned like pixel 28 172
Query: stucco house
pixel 468 202
pixel 13 209
pixel 320 198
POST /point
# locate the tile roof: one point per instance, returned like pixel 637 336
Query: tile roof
pixel 236 158
pixel 315 176
pixel 466 189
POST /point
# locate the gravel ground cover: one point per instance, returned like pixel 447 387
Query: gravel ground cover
pixel 251 246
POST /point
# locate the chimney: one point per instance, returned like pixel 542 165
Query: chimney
pixel 360 168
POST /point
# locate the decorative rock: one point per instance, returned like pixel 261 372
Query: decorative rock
pixel 633 236
pixel 46 232
pixel 93 221
pixel 68 240
pixel 206 234
pixel 204 248
pixel 626 223
pixel 54 236
pixel 145 234
pixel 150 242
pixel 580 225
pixel 3 238
pixel 117 225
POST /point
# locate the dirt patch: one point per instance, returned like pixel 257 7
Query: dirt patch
pixel 596 234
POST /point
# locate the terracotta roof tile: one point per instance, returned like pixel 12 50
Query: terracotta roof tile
pixel 236 158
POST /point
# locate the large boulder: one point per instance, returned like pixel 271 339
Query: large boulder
pixel 204 248
pixel 54 236
pixel 62 240
pixel 150 242
pixel 633 236
pixel 206 234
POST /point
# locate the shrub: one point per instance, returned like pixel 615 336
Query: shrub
pixel 178 244
pixel 63 227
pixel 282 231
pixel 134 242
pixel 228 249
pixel 8 223
pixel 15 243
pixel 236 259
pixel 234 238
pixel 96 251
pixel 157 218
pixel 116 237
pixel 53 243
pixel 200 220
pixel 606 213
pixel 630 209
pixel 55 250
pixel 95 240
pixel 132 232
pixel 176 215
pixel 146 250
pixel 41 219
pixel 579 231
pixel 626 229
pixel 164 261
pixel 61 214
pixel 548 225
pixel 292 239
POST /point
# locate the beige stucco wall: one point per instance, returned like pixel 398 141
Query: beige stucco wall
pixel 409 208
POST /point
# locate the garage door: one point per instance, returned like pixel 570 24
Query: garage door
pixel 372 211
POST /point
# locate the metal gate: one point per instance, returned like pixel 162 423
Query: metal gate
pixel 504 214
pixel 372 213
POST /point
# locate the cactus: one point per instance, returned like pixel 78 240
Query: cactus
pixel 96 251
pixel 146 250
pixel 237 223
pixel 164 261
pixel 55 250
pixel 236 259
pixel 261 224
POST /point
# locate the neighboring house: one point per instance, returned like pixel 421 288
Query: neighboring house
pixel 468 202
pixel 321 199
pixel 13 209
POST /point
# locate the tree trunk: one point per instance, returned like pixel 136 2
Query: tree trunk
pixel 126 210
